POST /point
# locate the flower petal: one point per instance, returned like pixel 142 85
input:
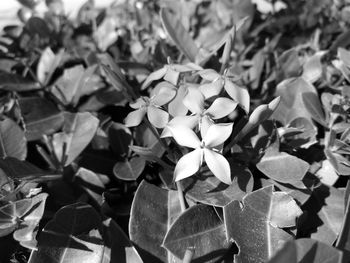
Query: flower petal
pixel 221 107
pixel 189 121
pixel 218 165
pixel 176 106
pixel 217 134
pixel 158 74
pixel 158 117
pixel 239 94
pixel 188 164
pixel 205 123
pixel 194 100
pixel 135 117
pixel 184 136
pixel 209 74
pixel 165 95
pixel 138 103
pixel 212 89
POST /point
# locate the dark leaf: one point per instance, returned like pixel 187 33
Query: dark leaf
pixel 152 212
pixel 199 227
pixel 119 138
pixel 14 82
pixel 12 140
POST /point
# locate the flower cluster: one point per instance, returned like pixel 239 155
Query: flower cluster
pixel 204 106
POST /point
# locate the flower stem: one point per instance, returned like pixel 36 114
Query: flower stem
pixel 181 196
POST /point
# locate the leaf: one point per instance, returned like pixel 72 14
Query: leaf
pixel 307 250
pixel 14 82
pixel 78 131
pixel 343 241
pixel 283 167
pixel 120 138
pixel 40 117
pixel 47 64
pixel 18 169
pixel 29 225
pixel 12 140
pixel 314 107
pixel 77 233
pixel 178 34
pixel 325 214
pixel 199 227
pixel 249 226
pixel 327 173
pixel 239 94
pixel 259 115
pixel 92 183
pixel 292 105
pixel 153 211
pixel 312 68
pixel 129 170
pixel 209 190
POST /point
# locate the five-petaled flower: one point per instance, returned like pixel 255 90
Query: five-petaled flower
pixel 152 107
pixel 195 102
pixel 208 149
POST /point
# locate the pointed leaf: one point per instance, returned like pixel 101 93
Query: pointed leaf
pixel 307 250
pixel 188 164
pixel 221 107
pixel 178 34
pixel 283 167
pixel 314 107
pixel 153 211
pixel 12 140
pixel 78 131
pixel 47 64
pixel 198 227
pixel 248 225
pixel 14 82
pixel 218 165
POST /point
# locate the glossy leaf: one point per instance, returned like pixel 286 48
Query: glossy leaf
pixel 200 228
pixel 209 190
pixel 249 226
pixel 40 116
pixel 78 131
pixel 12 140
pixel 282 167
pixel 77 233
pixel 152 213
pixel 307 250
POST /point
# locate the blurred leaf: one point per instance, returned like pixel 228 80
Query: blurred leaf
pixel 78 131
pixel 312 68
pixel 289 63
pixel 209 190
pixel 41 117
pixel 14 82
pixel 249 226
pixel 120 138
pixel 199 227
pixel 129 170
pixel 47 64
pixel 179 35
pixel 314 107
pixel 153 211
pixel 37 26
pixel 12 140
pixel 307 250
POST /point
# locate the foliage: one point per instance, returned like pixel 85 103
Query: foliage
pixel 176 131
